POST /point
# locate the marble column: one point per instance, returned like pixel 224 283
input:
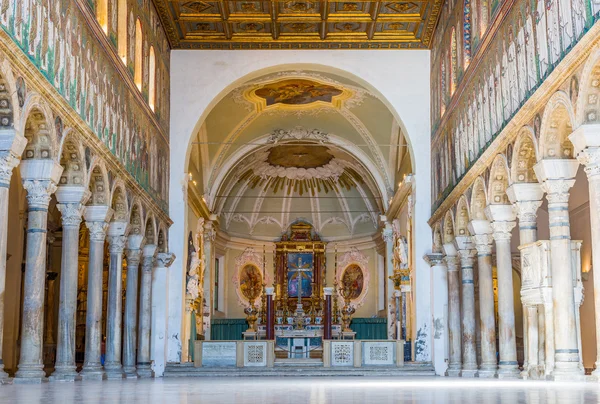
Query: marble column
pixel 483 244
pixel 454 330
pixel 586 140
pixel 39 180
pixel 439 297
pixel 210 234
pixel 71 201
pixel 96 220
pixel 388 238
pixel 117 238
pixel 133 254
pixel 144 369
pixel 160 286
pixel 466 252
pixel 557 177
pixel 526 199
pixel 502 220
pixel 11 148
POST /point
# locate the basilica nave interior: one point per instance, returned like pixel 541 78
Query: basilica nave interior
pixel 379 189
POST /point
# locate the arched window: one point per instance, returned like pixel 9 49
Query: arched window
pixel 137 71
pixel 122 30
pixel 152 79
pixel 102 14
pixel 453 62
pixel 467 34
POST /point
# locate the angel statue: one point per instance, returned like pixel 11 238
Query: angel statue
pixel 401 251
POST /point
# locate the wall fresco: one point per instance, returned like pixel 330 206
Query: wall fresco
pixel 57 39
pixel 524 48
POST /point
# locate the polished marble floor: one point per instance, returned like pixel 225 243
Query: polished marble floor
pixel 303 391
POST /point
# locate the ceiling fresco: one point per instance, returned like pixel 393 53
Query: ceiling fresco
pixel 331 157
pixel 284 24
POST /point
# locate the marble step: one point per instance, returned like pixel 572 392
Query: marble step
pixel 188 370
pixel 298 362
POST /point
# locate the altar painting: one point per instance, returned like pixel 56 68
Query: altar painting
pixel 250 282
pixel 297 92
pixel 353 280
pixel 302 261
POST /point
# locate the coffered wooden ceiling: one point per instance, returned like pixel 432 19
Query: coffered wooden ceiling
pixel 283 24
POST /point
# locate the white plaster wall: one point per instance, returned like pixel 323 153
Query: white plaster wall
pixel 200 78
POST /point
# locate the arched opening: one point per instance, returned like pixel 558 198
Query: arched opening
pixel 137 69
pixel 152 79
pixel 122 29
pixel 282 156
pixel 453 62
pixel 102 14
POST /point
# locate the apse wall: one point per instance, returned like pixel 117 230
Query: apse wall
pixel 400 78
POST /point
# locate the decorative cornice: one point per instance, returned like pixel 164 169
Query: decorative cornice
pixel 162 9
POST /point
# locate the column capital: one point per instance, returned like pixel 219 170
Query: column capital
pixel 133 256
pixel 71 214
pixel 467 256
pixel 452 262
pixel 526 211
pixel 483 243
pixel 148 254
pixel 97 230
pixel 11 150
pixel 502 230
pixel 116 244
pixel 558 190
pixel 39 192
pixel 434 259
pixel 210 233
pixel 590 158
pixel 164 260
pixel 388 233
pixel 463 243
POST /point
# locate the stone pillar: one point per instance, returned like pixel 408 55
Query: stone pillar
pixel 160 285
pixel 454 331
pixel 144 369
pixel 526 199
pixel 96 220
pixel 388 238
pixel 557 177
pixel 39 180
pixel 467 253
pixel 210 234
pixel 11 149
pixel 586 140
pixel 502 220
pixel 483 244
pixel 71 201
pixel 117 238
pixel 439 296
pixel 133 254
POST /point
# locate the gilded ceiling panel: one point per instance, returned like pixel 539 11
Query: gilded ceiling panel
pixel 282 24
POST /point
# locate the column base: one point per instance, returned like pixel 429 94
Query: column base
pixel 113 372
pixel 509 372
pixel 144 371
pixel 130 372
pixel 489 372
pixel 567 375
pixel 469 373
pixel 453 372
pixel 93 372
pixel 65 374
pixel 30 374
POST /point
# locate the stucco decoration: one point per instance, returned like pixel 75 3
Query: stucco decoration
pixel 248 259
pixel 348 264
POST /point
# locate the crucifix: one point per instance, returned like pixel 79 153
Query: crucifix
pixel 301 270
